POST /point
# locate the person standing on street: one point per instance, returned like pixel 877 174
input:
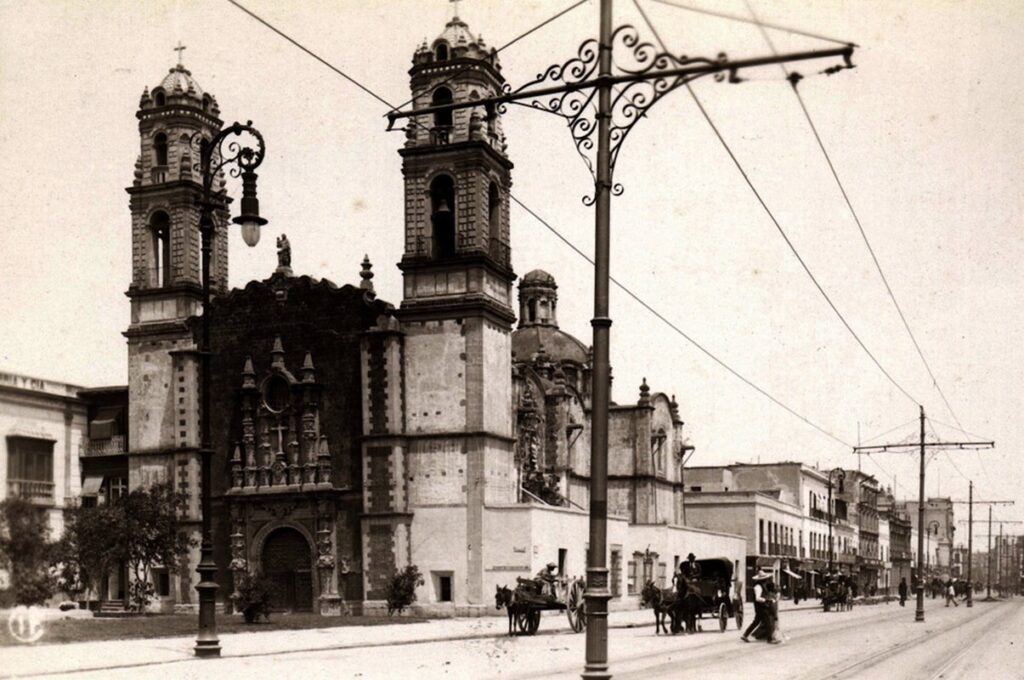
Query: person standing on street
pixel 951 594
pixel 759 604
pixel 903 591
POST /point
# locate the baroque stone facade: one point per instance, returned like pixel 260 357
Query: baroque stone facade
pixel 353 438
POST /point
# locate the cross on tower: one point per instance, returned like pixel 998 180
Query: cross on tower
pixel 455 8
pixel 179 49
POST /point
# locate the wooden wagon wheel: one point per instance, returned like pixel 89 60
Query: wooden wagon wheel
pixel 523 620
pixel 533 621
pixel 723 617
pixel 576 607
pixel 738 606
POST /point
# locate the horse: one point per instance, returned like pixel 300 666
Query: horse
pixel 505 597
pixel 687 608
pixel 662 601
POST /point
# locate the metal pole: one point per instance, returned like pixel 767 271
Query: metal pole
pixel 207 643
pixel 988 558
pixel 999 561
pixel 597 593
pixel 970 543
pixel 919 614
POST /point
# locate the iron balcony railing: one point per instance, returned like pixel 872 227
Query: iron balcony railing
pixel 106 447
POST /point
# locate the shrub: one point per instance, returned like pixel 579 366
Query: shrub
pixel 252 597
pixel 401 590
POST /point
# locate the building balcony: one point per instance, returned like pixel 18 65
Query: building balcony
pixel 36 492
pixel 115 446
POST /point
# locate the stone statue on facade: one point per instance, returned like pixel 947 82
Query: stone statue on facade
pixel 284 254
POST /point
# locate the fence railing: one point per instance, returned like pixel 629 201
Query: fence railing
pixel 31 490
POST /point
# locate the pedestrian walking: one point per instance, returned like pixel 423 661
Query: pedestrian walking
pixel 903 591
pixel 759 604
pixel 951 595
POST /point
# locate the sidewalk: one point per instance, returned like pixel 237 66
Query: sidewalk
pixel 43 659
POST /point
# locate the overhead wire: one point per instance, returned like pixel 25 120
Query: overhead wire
pixel 774 220
pixel 561 237
pixel 794 79
pixel 734 17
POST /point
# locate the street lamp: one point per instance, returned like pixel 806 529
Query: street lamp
pixel 840 474
pixel 245 158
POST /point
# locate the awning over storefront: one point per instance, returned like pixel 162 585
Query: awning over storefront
pixel 792 575
pixel 91 486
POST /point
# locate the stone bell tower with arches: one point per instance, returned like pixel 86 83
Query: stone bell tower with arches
pixel 439 443
pixel 166 285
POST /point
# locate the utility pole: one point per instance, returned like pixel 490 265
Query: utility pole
pixel 639 77
pixel 923 446
pixel 970 535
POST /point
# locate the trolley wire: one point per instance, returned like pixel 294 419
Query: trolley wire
pixel 794 78
pixel 734 17
pixel 569 243
pixel 775 221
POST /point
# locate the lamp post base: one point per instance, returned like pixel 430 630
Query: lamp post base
pixel 207 643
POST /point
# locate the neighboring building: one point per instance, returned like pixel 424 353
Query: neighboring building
pixel 885 583
pixel 861 496
pixel 352 438
pixel 104 469
pixel 781 508
pixel 901 548
pixel 42 429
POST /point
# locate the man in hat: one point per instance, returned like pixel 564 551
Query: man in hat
pixel 690 569
pixel 546 578
pixel 903 591
pixel 759 603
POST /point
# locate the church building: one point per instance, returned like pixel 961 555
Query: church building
pixel 353 437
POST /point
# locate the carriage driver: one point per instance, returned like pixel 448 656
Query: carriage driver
pixel 546 578
pixel 690 569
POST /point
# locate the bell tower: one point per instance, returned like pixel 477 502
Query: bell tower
pixel 166 286
pixel 457 180
pixel 448 452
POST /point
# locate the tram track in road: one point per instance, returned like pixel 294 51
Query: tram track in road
pixel 976 633
pixel 714 653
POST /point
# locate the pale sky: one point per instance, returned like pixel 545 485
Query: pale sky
pixel 925 133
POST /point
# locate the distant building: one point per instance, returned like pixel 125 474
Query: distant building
pixel 42 429
pixel 939 530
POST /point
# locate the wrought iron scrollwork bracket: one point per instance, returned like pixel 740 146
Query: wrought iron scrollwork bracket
pixel 223 152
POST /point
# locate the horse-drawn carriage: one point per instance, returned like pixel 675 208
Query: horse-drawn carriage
pixel 527 601
pixel 710 593
pixel 837 594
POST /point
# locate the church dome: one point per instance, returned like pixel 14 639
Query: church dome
pixel 180 78
pixel 538 277
pixel 455 42
pixel 558 345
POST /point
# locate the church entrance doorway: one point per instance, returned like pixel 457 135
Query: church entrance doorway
pixel 287 564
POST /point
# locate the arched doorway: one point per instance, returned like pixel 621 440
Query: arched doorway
pixel 287 564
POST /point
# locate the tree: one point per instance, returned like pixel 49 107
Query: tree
pixel 147 527
pixel 89 548
pixel 25 551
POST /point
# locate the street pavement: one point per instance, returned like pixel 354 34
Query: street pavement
pixel 880 641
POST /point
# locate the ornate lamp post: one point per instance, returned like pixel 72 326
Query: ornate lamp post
pixel 243 159
pixel 840 474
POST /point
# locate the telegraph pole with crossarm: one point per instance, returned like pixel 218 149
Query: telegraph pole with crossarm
pixel 970 534
pixel 601 93
pixel 923 445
